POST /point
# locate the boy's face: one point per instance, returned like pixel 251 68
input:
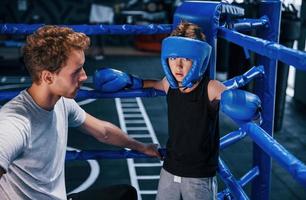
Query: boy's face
pixel 179 68
pixel 71 76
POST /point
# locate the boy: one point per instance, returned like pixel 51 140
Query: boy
pixel 190 165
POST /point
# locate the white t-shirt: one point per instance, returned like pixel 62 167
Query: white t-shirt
pixel 33 145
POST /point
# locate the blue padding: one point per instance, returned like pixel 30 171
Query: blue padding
pixel 19 28
pixel 182 47
pixel 231 138
pixel 230 181
pixel 92 29
pixel 247 24
pixel 242 80
pixel 94 94
pixel 6 95
pixel 265 89
pixel 248 177
pixel 266 48
pixel 288 161
pixel 108 154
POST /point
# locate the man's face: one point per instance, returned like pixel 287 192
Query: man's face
pixel 71 76
pixel 179 68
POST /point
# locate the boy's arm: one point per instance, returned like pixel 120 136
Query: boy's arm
pixel 215 89
pixel 157 84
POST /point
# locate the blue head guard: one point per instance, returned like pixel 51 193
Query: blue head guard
pixel 183 47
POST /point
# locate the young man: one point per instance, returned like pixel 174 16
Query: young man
pixel 34 125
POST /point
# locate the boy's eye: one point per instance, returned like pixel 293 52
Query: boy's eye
pixel 183 59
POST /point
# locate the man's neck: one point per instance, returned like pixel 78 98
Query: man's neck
pixel 42 96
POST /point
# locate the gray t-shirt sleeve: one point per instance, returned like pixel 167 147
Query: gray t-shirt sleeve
pixel 76 115
pixel 13 139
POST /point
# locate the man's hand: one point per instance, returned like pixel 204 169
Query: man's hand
pixel 2 171
pixel 151 150
pixel 109 133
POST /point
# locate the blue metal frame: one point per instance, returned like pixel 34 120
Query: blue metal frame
pixel 265 89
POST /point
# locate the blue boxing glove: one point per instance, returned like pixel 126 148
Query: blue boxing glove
pixel 240 105
pixel 112 80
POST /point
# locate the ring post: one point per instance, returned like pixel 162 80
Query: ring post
pixel 265 89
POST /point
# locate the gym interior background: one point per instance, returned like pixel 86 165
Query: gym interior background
pixel 139 54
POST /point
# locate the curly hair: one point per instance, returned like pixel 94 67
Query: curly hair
pixel 49 48
pixel 190 30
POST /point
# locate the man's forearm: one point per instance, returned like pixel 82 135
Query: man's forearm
pixel 107 132
pixel 116 136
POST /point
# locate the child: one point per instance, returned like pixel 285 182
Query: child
pixel 191 162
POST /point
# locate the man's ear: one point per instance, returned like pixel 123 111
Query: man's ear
pixel 47 77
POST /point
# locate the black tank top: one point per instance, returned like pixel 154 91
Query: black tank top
pixel 193 126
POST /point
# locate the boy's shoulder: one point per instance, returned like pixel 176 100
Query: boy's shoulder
pixel 215 88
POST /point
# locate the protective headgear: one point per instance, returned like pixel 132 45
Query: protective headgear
pixel 183 47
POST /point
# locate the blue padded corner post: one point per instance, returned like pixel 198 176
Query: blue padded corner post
pixel 206 15
pixel 265 89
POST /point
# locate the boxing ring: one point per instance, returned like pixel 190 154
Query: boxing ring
pixel 210 15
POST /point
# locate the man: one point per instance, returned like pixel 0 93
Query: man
pixel 34 125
